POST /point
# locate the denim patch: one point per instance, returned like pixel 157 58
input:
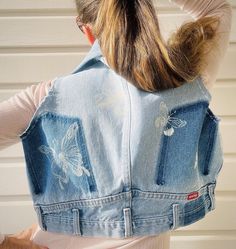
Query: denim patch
pixel 60 153
pixel 178 143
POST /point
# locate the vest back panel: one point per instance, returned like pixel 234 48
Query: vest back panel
pixel 107 159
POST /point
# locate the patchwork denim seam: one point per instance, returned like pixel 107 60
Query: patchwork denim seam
pixel 167 195
pixel 83 202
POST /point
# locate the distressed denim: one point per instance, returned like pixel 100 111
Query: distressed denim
pixel 106 159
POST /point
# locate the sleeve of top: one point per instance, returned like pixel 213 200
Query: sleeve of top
pixel 221 8
pixel 17 111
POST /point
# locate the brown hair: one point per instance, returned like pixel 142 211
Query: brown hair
pixel 130 39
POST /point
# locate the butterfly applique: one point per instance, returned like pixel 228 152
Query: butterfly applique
pixel 68 158
pixel 166 118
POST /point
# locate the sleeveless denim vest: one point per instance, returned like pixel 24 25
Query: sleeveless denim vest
pixel 106 159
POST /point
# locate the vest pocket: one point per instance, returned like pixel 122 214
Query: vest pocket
pixel 59 151
pixel 188 131
pixel 207 142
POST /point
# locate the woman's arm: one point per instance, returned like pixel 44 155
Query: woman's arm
pixel 17 111
pixel 221 8
pixel 14 243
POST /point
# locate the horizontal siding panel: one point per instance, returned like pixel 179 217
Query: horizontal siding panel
pixel 13 180
pixel 12 152
pixel 39 5
pixel 223 98
pixel 216 241
pixel 34 67
pixel 226 179
pixel 228 133
pixel 15 216
pixel 227 66
pixel 31 32
pixel 6 5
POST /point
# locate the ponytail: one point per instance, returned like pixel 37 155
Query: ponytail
pixel 131 42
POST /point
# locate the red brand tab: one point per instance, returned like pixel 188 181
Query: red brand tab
pixel 192 196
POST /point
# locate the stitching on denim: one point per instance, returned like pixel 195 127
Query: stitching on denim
pixel 127 222
pixel 175 216
pixel 137 221
pixel 83 203
pixel 76 221
pixel 167 195
pixel 111 199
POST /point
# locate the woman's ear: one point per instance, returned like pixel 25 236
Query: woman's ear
pixel 88 32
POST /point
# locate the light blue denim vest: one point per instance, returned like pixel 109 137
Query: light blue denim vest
pixel 106 159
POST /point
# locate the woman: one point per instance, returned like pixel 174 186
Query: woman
pixel 197 48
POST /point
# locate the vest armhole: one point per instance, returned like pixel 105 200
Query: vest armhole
pixel 49 92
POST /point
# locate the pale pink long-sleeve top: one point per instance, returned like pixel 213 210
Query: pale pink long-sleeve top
pixel 17 111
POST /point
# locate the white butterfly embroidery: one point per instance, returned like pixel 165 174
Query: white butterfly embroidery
pixel 68 158
pixel 165 118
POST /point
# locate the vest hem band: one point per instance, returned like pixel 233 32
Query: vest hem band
pixel 71 218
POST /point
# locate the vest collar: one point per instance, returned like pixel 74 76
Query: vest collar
pixel 94 54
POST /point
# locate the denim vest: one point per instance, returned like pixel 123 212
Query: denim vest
pixel 106 159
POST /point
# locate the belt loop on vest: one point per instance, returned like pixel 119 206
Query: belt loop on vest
pixel 211 195
pixel 76 222
pixel 128 222
pixel 175 210
pixel 40 218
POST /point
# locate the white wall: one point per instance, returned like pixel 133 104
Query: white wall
pixel 39 40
